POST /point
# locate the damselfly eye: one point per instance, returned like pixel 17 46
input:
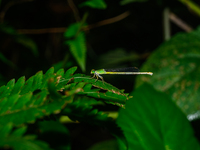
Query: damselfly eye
pixel 92 71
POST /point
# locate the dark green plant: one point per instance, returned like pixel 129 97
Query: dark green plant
pixel 57 93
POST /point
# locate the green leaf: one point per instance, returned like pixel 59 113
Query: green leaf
pixel 19 132
pixel 99 4
pixel 19 105
pixel 124 2
pixel 105 145
pixel 151 121
pixel 77 45
pixel 49 126
pixel 192 6
pixel 175 65
pixel 5 90
pixel 18 86
pixel 69 72
pixel 15 140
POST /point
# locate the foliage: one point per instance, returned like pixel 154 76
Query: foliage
pixel 19 104
pixel 153 122
pixel 99 4
pixel 175 65
pixel 17 140
pixel 193 6
pixel 77 44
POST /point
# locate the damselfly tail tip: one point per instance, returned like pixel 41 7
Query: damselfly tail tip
pixel 151 73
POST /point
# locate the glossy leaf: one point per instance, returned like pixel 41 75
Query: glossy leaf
pixel 175 65
pixel 151 121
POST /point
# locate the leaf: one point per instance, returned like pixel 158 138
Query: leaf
pixel 151 121
pixel 69 72
pixel 124 2
pixel 63 64
pixel 18 86
pixel 105 145
pixel 77 45
pixel 192 6
pixel 15 140
pixel 99 4
pixel 19 105
pixel 175 65
pixel 28 108
pixel 49 93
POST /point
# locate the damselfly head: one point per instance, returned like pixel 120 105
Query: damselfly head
pixel 92 71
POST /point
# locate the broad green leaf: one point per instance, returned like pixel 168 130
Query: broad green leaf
pixel 99 4
pixel 175 65
pixel 192 6
pixel 151 121
pixel 124 2
pixel 77 44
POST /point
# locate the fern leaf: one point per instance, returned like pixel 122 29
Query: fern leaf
pixel 18 86
pixel 60 72
pixel 70 72
pixel 19 105
pixel 23 111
